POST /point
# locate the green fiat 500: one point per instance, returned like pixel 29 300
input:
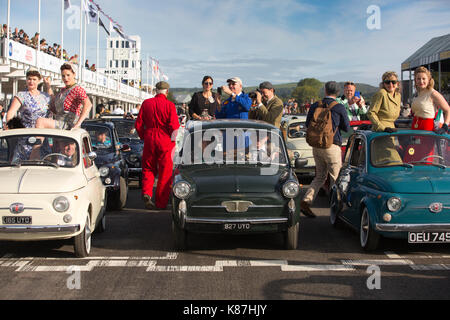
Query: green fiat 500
pixel 234 177
pixel 396 186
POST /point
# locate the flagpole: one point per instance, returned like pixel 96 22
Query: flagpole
pixel 81 43
pixel 8 21
pixel 62 30
pixel 39 37
pixel 85 33
pixel 98 39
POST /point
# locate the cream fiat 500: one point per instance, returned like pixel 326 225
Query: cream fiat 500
pixel 50 187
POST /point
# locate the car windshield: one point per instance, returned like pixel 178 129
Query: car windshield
pixel 410 150
pixel 297 130
pixel 126 129
pixel 32 150
pixel 233 147
pixel 101 137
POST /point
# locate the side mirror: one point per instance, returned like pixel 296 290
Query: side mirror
pixel 92 155
pixel 300 163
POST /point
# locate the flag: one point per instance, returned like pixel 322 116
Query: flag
pixel 91 12
pixel 102 25
pixel 66 4
pixel 116 29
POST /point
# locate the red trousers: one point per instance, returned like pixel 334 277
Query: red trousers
pixel 157 162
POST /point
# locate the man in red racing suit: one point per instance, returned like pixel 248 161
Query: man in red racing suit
pixel 155 124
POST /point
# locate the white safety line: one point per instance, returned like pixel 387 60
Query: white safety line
pixel 431 267
pixel 378 262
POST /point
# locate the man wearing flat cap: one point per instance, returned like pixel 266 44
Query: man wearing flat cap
pixel 156 122
pixel 268 107
pixel 237 105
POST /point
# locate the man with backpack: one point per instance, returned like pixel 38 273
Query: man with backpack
pixel 324 121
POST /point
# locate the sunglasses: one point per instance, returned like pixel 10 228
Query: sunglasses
pixel 394 82
pixel 348 83
pixel 208 83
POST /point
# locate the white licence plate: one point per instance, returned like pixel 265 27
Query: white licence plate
pixel 429 237
pixel 236 226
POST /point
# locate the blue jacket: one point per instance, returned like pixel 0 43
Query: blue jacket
pixel 339 116
pixel 237 109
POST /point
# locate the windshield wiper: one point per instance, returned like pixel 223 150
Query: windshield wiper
pixel 431 164
pixel 406 165
pixel 36 162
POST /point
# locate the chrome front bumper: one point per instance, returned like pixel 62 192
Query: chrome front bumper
pixel 40 229
pixel 412 227
pixel 222 221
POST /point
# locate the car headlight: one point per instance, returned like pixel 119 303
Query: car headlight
pixel 181 190
pixel 291 189
pixel 394 204
pixel 61 204
pixel 104 171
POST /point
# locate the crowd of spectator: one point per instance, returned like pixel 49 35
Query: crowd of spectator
pixel 19 35
pixel 293 107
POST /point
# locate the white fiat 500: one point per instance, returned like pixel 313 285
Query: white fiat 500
pixel 50 187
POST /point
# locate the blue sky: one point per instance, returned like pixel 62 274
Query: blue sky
pixel 257 40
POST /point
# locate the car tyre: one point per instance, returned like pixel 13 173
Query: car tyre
pixel 101 224
pixel 120 197
pixel 82 242
pixel 291 237
pixel 335 208
pixel 369 239
pixel 180 237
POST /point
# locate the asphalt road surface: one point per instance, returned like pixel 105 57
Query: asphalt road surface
pixel 135 259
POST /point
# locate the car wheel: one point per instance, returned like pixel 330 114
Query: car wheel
pixel 369 239
pixel 102 224
pixel 82 242
pixel 120 197
pixel 180 237
pixel 291 237
pixel 334 209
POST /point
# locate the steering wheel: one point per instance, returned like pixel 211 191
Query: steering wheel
pixel 57 154
pixel 432 156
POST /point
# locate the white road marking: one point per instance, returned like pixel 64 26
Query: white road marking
pixel 431 267
pixel 378 262
pixel 314 268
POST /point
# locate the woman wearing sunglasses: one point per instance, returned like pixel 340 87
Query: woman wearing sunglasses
pixel 427 103
pixel 386 103
pixel 204 103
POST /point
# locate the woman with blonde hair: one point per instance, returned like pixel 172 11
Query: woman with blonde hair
pixel 427 103
pixel 384 110
pixel 386 104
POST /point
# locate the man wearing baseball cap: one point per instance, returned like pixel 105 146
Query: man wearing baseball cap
pixel 268 106
pixel 155 124
pixel 237 105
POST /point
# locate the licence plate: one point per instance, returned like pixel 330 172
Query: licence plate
pixel 429 237
pixel 16 220
pixel 236 226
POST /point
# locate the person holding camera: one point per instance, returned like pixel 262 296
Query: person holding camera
pixel 237 105
pixel 204 103
pixel 267 107
pixel 353 102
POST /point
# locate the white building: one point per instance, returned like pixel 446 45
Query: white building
pixel 123 60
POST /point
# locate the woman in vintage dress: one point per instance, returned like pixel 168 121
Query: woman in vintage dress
pixel 29 105
pixel 70 106
pixel 427 103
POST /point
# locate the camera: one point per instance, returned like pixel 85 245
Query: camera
pixel 219 91
pixel 252 94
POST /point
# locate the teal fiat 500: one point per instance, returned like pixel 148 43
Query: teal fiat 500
pixel 234 177
pixel 395 186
